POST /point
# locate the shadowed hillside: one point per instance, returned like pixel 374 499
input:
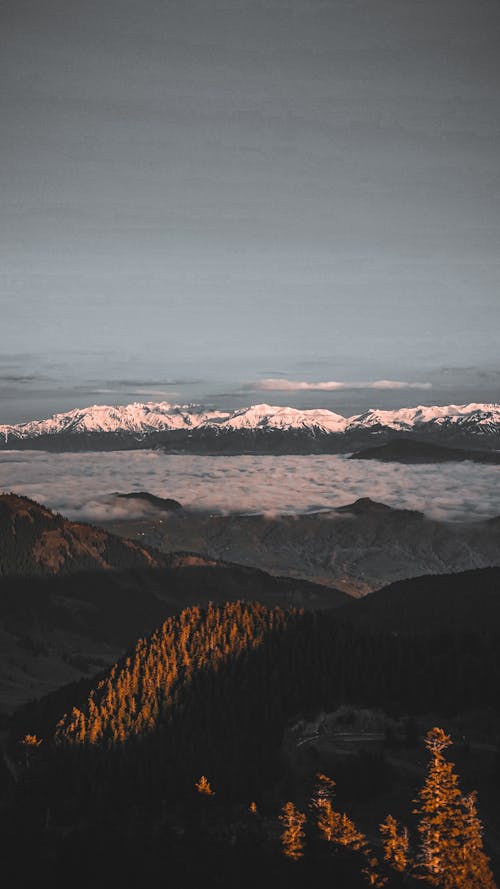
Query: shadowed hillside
pixel 73 597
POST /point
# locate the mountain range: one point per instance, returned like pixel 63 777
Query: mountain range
pixel 261 427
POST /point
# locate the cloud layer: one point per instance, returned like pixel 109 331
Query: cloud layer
pixel 283 385
pixel 81 485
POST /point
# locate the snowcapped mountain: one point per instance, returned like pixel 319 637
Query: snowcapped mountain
pixel 265 416
pixel 142 419
pixel 474 416
pixel 179 426
pixel 137 419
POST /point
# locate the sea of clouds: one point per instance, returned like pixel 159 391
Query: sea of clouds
pixel 81 486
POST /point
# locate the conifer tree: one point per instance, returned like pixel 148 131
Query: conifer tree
pixel 452 854
pixel 292 836
pixel 322 805
pixel 438 806
pixel 473 871
pixel 396 844
pixel 203 786
pixel 336 827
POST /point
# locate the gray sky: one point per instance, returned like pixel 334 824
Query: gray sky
pixel 199 194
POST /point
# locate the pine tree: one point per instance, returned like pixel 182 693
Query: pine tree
pixel 438 806
pixel 474 870
pixel 395 843
pixel 203 786
pixel 292 836
pixel 336 827
pixel 452 854
pixel 322 806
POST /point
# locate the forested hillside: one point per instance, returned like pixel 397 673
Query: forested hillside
pixel 210 694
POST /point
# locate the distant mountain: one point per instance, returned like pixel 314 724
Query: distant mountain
pixel 259 428
pixel 365 506
pixel 407 450
pixel 74 597
pixel 359 547
pixel 165 504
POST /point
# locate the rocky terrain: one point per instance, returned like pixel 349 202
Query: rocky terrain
pixel 357 548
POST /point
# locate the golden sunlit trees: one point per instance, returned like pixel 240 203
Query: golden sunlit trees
pixel 396 844
pixel 336 827
pixel 451 853
pixel 292 835
pixel 203 786
pixel 129 701
pixel 438 806
pixel 322 806
pixel 31 741
pixel 473 870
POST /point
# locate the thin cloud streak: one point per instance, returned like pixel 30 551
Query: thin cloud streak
pixel 284 385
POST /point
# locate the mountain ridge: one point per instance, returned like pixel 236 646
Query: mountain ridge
pixel 73 597
pixel 173 425
pixel 409 450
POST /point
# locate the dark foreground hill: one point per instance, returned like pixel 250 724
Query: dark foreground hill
pixel 466 603
pixel 211 692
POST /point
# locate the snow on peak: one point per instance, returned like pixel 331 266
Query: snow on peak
pixel 409 418
pixel 266 416
pixel 137 418
pixel 143 418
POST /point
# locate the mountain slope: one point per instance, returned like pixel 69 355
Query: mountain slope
pixel 74 597
pixel 36 541
pixel 448 603
pixel 359 547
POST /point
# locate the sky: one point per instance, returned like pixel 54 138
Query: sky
pixel 202 196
